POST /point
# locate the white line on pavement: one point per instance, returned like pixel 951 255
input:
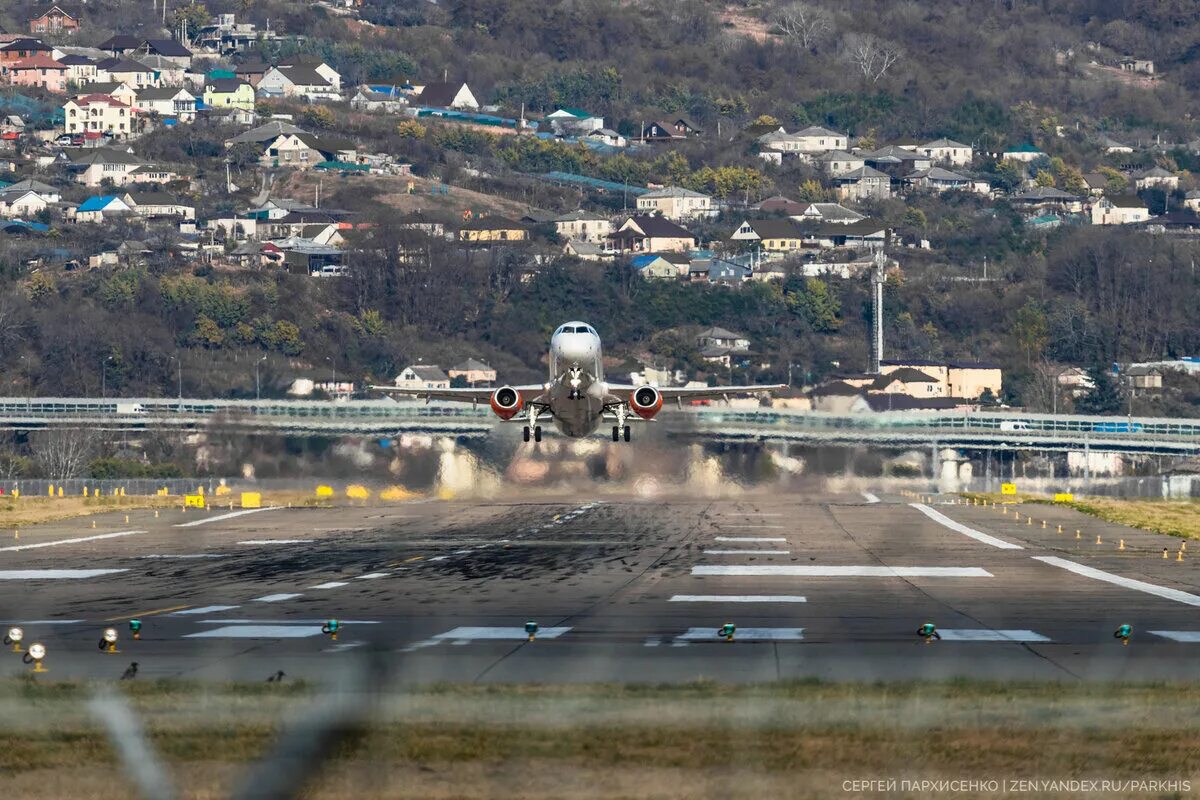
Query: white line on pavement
pixel 1128 583
pixel 219 517
pixel 749 539
pixel 744 634
pixel 60 622
pixel 988 635
pixel 53 574
pixel 844 572
pixel 747 552
pixel 958 527
pixel 330 585
pixel 275 541
pixel 1186 637
pixel 187 555
pixel 34 546
pixel 284 621
pixel 276 598
pixel 256 632
pixel 370 576
pixel 203 610
pixel 775 527
pixel 870 498
pixel 738 598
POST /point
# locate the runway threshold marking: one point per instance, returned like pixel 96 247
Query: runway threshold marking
pixel 738 598
pixel 842 571
pixel 275 541
pixel 989 635
pixel 54 574
pixel 1186 637
pixel 749 539
pixel 156 611
pixel 743 634
pixel 958 527
pixel 1117 580
pixel 203 610
pixel 370 576
pixel 257 632
pixel 869 497
pixel 330 585
pixel 220 517
pixel 276 598
pixel 747 552
pixel 36 545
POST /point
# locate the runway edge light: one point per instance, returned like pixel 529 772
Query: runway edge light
pixel 330 629
pixel 108 640
pixel 531 629
pixel 37 652
pixel 727 631
pixel 1123 633
pixel 928 632
pixel 14 637
pixel 135 628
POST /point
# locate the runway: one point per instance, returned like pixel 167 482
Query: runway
pixel 826 585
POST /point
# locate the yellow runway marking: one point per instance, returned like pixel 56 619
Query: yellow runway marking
pixel 147 613
pixel 414 558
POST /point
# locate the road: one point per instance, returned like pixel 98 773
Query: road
pixel 819 584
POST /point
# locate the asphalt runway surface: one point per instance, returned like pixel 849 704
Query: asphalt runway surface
pixel 821 585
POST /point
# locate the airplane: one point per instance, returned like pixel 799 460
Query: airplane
pixel 576 398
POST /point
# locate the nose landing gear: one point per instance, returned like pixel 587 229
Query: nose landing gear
pixel 620 431
pixel 533 420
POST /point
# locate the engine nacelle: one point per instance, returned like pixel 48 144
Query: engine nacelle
pixel 506 402
pixel 646 401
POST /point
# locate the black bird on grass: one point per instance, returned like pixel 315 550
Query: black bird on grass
pixel 276 678
pixel 130 672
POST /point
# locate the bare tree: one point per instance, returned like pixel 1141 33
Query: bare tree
pixel 871 55
pixel 63 453
pixel 805 24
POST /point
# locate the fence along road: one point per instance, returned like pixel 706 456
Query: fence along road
pixel 983 430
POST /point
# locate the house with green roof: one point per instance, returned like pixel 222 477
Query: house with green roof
pixel 1023 152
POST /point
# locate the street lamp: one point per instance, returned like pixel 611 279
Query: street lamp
pixel 257 383
pixel 333 366
pixel 179 364
pixel 104 376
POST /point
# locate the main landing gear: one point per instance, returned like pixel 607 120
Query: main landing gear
pixel 620 430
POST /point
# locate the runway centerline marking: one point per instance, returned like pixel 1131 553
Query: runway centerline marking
pixel 743 634
pixel 148 613
pixel 257 632
pixel 54 574
pixel 275 541
pixel 276 598
pixel 737 598
pixel 1186 637
pixel 370 576
pixel 747 552
pixel 842 572
pixel 228 515
pixel 958 527
pixel 869 497
pixel 749 539
pixel 989 635
pixel 1128 583
pixel 34 546
pixel 330 585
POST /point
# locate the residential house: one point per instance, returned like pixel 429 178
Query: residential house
pixel 97 114
pixel 659 132
pixel 473 372
pixel 80 69
pixel 305 257
pixel 771 235
pixel 719 345
pixel 683 126
pixel 440 94
pixel 166 71
pixel 948 151
pixel 305 151
pixel 173 51
pixel 252 73
pixel 27 48
pixel 93 166
pixel 962 379
pixel 121 44
pixel 1156 178
pixel 1048 198
pixel 1142 66
pixel 607 137
pixel 778 204
pixel 659 266
pixel 676 203
pixel 159 205
pixel 22 203
pixel 1096 182
pixel 573 122
pixel 39 71
pixel 1144 376
pixel 54 20
pixel 864 183
pixel 1111 145
pixel 585 251
pixel 938 179
pixel 264 134
pixel 96 209
pixel 897 161
pixel 135 73
pixel 118 90
pixel 908 381
pixel 1178 223
pixel 47 191
pixel 172 102
pixel 838 162
pixel 829 213
pixel 229 93
pixel 376 102
pixel 303 82
pixel 583 226
pixel 1119 209
pixel 1022 152
pixel 225 35
pixel 1191 200
pixel 317 65
pixel 645 234
pixel 809 141
pixel 422 376
pixel 492 229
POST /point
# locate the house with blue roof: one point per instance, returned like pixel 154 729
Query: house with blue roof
pixel 94 209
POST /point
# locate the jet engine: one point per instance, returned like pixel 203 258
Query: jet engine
pixel 646 401
pixel 506 402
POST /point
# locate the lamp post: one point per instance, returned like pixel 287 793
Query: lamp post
pixel 179 364
pixel 333 366
pixel 257 383
pixel 104 376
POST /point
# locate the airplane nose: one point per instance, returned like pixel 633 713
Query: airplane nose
pixel 577 350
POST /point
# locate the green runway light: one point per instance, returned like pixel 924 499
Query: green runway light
pixel 1123 633
pixel 531 628
pixel 330 629
pixel 727 631
pixel 135 628
pixel 928 631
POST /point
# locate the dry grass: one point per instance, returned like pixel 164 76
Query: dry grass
pixel 1172 517
pixel 24 511
pixel 700 740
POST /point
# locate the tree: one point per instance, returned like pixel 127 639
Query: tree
pixel 1103 397
pixel 194 16
pixel 62 453
pixel 806 25
pixel 872 56
pixel 319 117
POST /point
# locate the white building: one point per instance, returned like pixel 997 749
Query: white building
pixel 948 151
pixel 421 376
pixel 676 203
pixel 98 113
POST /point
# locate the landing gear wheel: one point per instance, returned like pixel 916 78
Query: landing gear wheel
pixel 537 433
pixel 616 434
pixel 627 433
pixel 526 433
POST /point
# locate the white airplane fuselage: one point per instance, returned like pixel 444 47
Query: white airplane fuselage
pixel 576 388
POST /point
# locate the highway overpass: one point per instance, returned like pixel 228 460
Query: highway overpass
pixel 983 431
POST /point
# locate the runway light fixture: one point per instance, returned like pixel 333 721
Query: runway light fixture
pixel 928 632
pixel 727 631
pixel 14 637
pixel 1123 633
pixel 108 640
pixel 531 629
pixel 135 628
pixel 37 651
pixel 331 628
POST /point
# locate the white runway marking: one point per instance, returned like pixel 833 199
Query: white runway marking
pixel 760 514
pixel 53 574
pixel 330 585
pixel 747 552
pixel 14 548
pixel 1187 637
pixel 987 635
pixel 1128 583
pixel 275 541
pixel 738 598
pixel 56 622
pixel 338 648
pixel 845 572
pixel 370 576
pixel 188 555
pixel 749 539
pixel 774 527
pixel 219 517
pixel 276 598
pixel 958 527
pixel 467 635
pixel 743 634
pixel 317 622
pixel 204 610
pixel 257 632
pixel 870 498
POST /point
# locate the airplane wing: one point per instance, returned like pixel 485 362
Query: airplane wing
pixel 682 393
pixel 466 395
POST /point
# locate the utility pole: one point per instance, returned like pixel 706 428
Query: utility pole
pixel 257 382
pixel 877 281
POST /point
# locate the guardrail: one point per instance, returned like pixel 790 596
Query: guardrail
pixel 982 429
